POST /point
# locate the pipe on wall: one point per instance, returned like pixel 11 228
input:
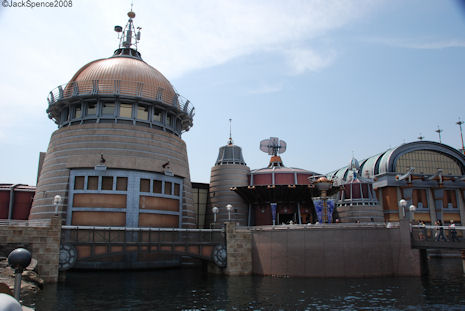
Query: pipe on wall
pixel 12 200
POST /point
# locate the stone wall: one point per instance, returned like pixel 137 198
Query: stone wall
pixel 42 240
pixel 338 250
pixel 239 250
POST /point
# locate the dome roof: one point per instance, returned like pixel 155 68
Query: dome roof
pixel 135 76
pixel 230 154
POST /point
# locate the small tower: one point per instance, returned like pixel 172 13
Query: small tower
pixel 230 170
pixel 357 200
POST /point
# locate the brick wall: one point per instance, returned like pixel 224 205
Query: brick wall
pixel 42 241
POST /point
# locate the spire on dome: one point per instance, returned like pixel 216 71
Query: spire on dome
pixel 230 141
pixel 128 38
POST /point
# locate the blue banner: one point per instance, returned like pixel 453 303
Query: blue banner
pixel 319 207
pixel 273 211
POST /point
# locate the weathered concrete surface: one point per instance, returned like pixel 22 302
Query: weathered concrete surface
pixel 337 250
pixel 239 250
pixel 42 241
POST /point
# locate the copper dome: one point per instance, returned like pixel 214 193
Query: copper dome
pixel 134 76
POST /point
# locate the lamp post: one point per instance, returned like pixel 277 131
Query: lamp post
pixel 215 211
pixel 407 213
pixel 412 208
pixel 19 259
pixel 229 207
pixel 403 205
pixel 57 201
pixel 323 184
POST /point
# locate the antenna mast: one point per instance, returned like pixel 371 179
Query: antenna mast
pixel 129 36
pixel 230 142
pixel 459 123
pixel 439 133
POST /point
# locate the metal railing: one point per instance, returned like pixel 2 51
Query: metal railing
pixel 120 87
pixel 123 235
pixel 424 236
pixel 25 223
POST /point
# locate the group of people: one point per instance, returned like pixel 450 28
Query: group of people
pixel 439 231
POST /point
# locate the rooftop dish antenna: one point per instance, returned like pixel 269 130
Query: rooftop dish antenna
pixel 273 146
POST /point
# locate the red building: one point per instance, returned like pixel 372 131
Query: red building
pixel 16 201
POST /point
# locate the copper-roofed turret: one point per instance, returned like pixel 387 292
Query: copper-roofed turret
pixel 124 75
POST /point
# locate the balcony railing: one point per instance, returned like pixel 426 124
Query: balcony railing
pixel 123 235
pixel 120 88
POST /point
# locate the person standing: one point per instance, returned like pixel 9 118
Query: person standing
pixel 453 232
pixel 441 231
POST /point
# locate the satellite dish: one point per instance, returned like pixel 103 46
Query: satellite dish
pixel 118 28
pixel 273 146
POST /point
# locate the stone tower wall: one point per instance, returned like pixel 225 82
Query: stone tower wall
pixel 222 178
pixel 123 147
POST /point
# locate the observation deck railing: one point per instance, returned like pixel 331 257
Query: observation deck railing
pixel 120 88
pixel 431 237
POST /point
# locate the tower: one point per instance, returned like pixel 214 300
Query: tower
pixel 117 157
pixel 230 170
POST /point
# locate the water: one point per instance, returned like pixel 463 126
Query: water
pixel 193 289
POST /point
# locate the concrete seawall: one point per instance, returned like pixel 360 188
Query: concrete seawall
pixel 334 250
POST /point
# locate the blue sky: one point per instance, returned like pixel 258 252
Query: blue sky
pixel 331 78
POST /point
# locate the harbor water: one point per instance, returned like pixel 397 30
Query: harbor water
pixel 194 289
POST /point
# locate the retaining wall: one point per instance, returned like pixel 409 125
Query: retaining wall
pixel 42 239
pixel 335 251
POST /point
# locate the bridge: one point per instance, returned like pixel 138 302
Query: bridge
pixel 91 247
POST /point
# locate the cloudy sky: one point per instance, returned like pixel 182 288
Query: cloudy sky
pixel 331 78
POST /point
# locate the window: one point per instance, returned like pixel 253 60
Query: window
pixel 157 186
pixel 156 115
pixel 144 185
pixel 92 183
pixel 108 109
pixel 77 113
pixel 427 162
pixel 79 183
pixel 142 112
pixel 64 116
pixel 169 120
pixel 91 109
pixel 107 183
pixel 121 183
pixel 176 189
pixel 125 110
pixel 167 187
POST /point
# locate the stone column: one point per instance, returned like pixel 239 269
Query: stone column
pixel 431 205
pixel 461 206
pixel 239 250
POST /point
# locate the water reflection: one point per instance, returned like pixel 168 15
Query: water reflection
pixel 193 289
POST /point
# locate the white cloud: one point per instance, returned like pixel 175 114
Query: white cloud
pixel 188 35
pixel 267 89
pixel 424 44
pixel 301 60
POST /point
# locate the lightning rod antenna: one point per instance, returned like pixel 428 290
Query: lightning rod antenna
pixel 230 135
